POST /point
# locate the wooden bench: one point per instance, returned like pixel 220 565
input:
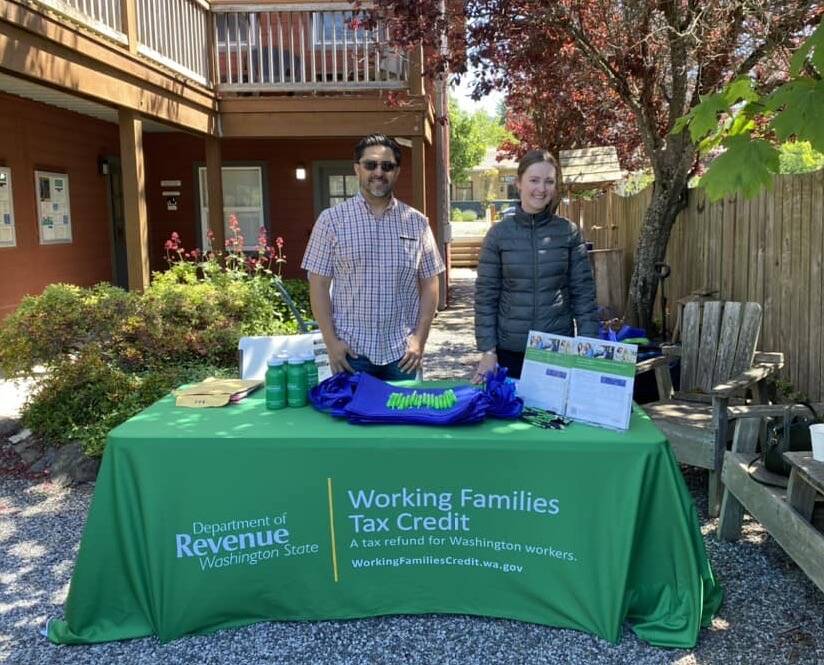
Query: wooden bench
pixel 788 515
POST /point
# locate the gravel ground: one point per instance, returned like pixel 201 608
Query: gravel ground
pixel 772 612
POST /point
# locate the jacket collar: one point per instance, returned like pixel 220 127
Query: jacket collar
pixel 528 219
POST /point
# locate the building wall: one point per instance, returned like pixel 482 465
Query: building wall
pixel 291 201
pixel 35 136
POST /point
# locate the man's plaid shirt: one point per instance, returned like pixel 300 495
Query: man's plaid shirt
pixel 375 265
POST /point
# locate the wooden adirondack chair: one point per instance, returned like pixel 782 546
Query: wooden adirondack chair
pixel 719 365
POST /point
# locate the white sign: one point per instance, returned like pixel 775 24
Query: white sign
pixel 601 383
pixel 545 375
pixel 7 234
pixel 53 207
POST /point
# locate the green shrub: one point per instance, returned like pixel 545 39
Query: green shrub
pixel 109 353
pixel 84 397
pixel 469 215
pixel 456 215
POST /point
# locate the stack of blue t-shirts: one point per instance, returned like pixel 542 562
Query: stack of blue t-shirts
pixel 361 398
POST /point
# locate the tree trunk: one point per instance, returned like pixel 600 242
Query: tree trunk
pixel 669 197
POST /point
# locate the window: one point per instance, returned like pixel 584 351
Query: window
pixel 234 29
pixel 463 191
pixel 341 187
pixel 242 196
pixel 508 188
pixel 334 27
pixel 7 235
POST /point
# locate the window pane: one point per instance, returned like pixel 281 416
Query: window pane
pixel 334 200
pixel 351 185
pixel 241 187
pixel 336 185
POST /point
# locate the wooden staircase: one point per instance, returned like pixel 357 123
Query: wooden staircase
pixel 465 252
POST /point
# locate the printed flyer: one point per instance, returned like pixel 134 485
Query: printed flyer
pixel 545 376
pixel 601 383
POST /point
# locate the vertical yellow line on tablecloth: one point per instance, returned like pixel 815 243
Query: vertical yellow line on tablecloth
pixel 332 530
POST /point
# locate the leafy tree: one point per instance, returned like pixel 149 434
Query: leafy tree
pixel 799 157
pixel 752 122
pixel 470 134
pixel 620 72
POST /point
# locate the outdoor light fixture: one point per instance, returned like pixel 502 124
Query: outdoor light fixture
pixel 300 172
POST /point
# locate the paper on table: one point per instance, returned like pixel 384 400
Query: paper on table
pixel 545 374
pixel 601 383
pixel 215 392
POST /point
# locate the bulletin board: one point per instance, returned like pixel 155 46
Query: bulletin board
pixel 8 237
pixel 53 209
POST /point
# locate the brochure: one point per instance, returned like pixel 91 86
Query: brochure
pixel 601 382
pixel 545 375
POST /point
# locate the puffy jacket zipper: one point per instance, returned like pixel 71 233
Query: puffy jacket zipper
pixel 534 275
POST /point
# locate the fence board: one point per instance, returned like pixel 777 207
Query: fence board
pixel 768 250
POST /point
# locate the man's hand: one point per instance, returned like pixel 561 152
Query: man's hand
pixel 489 361
pixel 411 360
pixel 338 351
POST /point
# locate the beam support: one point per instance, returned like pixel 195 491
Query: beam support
pixel 134 199
pixel 214 179
pixel 419 173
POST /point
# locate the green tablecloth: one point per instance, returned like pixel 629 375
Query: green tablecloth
pixel 204 519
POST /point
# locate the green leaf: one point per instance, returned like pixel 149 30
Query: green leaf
pixel 814 45
pixel 740 89
pixel 703 118
pixel 799 111
pixel 746 166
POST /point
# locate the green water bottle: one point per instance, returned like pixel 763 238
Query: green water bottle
pixel 275 384
pixel 296 382
pixel 311 371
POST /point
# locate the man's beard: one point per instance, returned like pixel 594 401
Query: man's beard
pixel 379 188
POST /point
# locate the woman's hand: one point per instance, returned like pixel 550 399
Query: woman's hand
pixel 488 362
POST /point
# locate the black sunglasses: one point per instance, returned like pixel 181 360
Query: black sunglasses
pixel 371 165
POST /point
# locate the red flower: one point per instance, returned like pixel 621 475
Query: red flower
pixel 279 242
pixel 233 223
pixel 175 237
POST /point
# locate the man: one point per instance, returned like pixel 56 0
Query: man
pixel 380 257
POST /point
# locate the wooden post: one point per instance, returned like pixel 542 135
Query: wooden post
pixel 128 13
pixel 214 179
pixel 419 173
pixel 416 71
pixel 134 199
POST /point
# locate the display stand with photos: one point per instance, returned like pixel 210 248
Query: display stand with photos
pixel 7 235
pixel 583 378
pixel 53 208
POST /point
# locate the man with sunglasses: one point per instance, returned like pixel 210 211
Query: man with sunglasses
pixel 379 257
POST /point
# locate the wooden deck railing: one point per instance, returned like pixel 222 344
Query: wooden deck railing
pixel 103 16
pixel 277 47
pixel 268 46
pixel 175 33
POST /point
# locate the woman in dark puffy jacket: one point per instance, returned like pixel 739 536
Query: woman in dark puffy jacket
pixel 533 272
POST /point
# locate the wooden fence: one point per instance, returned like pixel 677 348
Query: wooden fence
pixel 767 249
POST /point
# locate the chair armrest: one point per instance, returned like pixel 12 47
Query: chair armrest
pixel 768 358
pixel 770 410
pixel 647 365
pixel 752 376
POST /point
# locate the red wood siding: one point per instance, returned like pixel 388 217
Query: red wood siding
pixel 40 137
pixel 291 201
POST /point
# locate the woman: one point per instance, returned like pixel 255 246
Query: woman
pixel 533 272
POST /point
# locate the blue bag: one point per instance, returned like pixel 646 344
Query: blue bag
pixel 361 398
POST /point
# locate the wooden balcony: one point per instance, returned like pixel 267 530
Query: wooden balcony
pixel 275 47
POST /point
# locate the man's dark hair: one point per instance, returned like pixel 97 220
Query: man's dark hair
pixel 378 139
